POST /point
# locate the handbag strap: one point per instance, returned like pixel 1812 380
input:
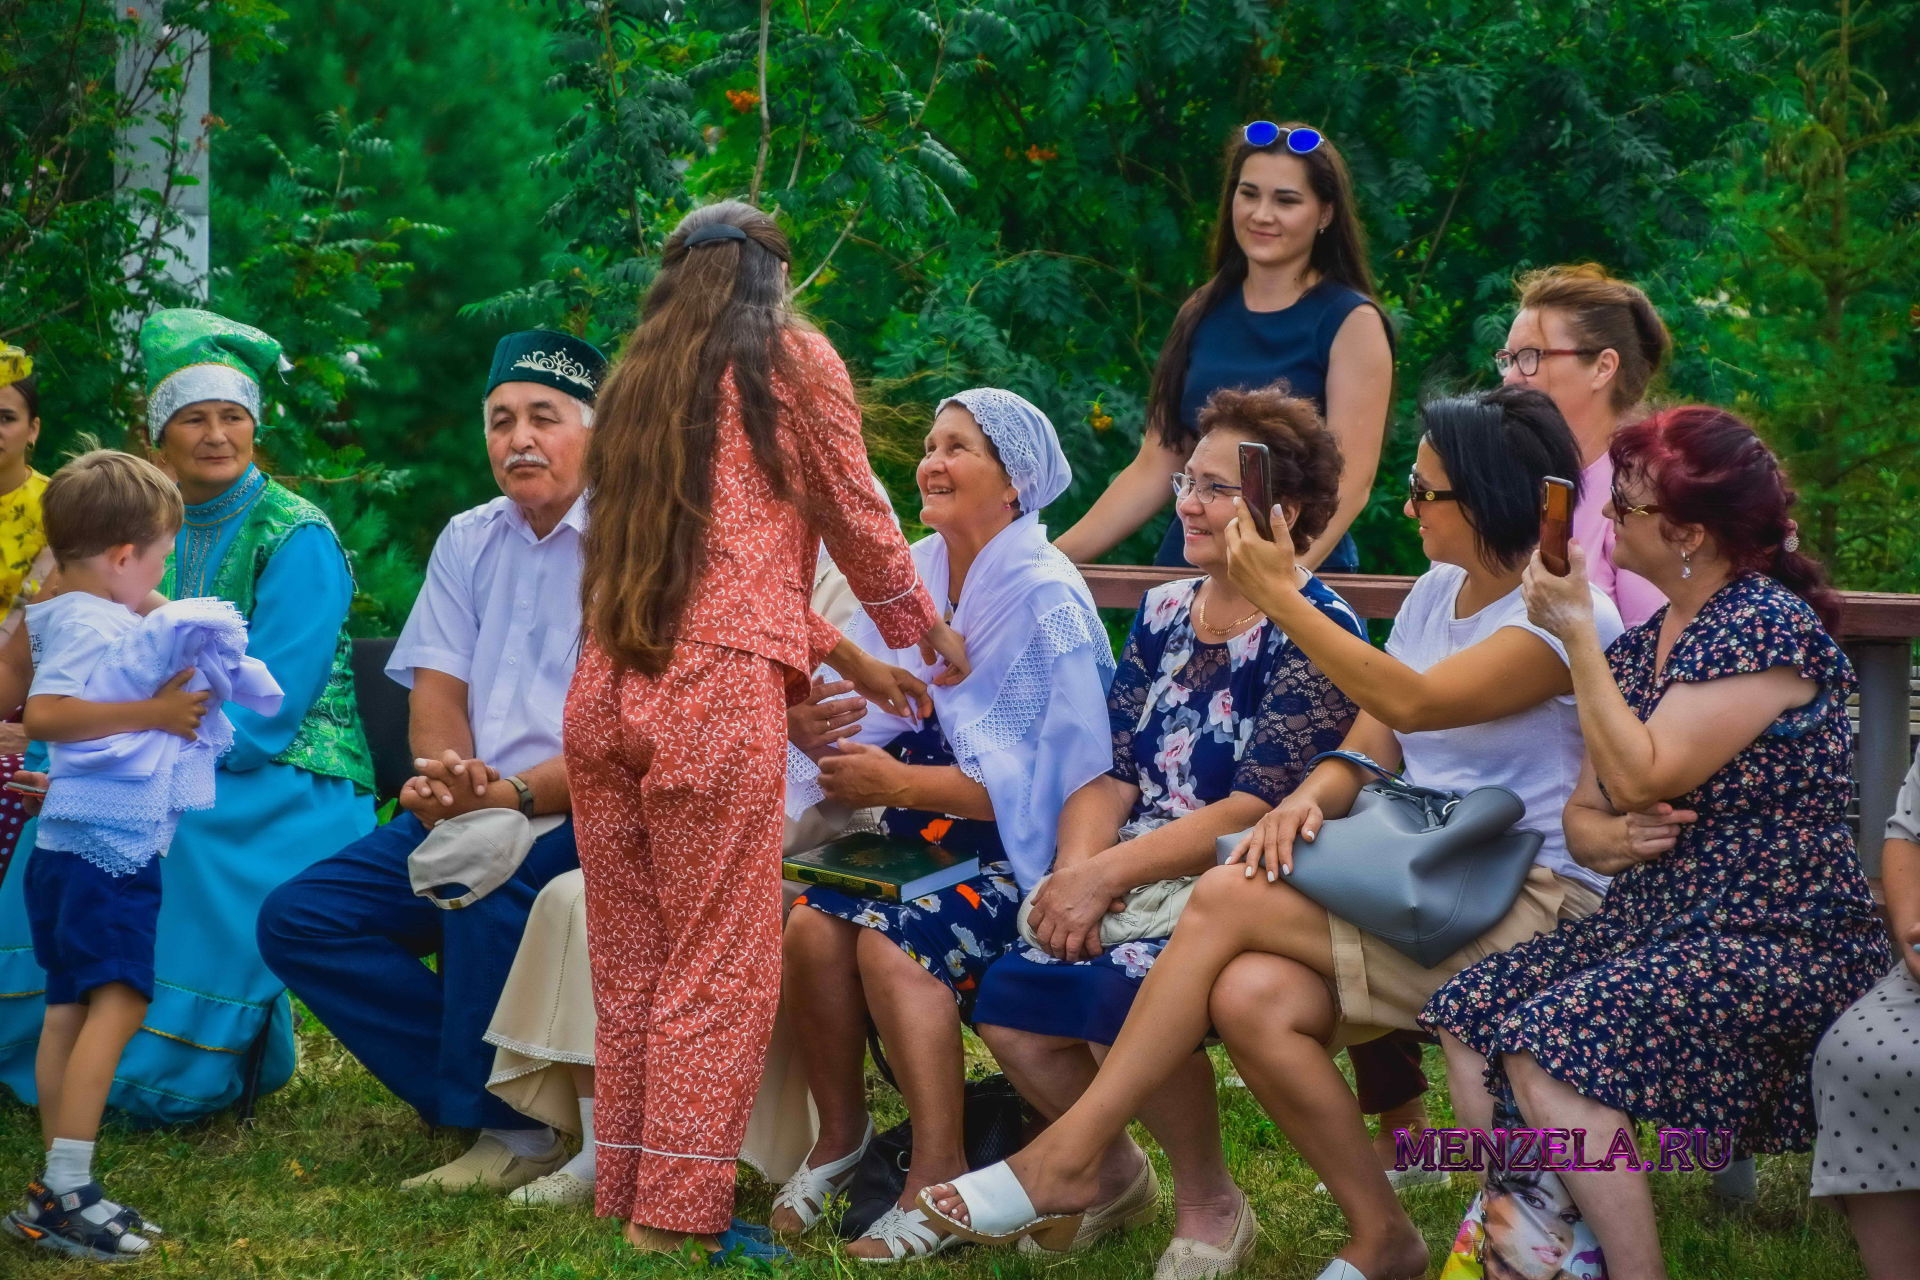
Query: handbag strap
pixel 1435 803
pixel 1364 761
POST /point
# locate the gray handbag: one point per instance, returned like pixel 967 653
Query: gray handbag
pixel 1424 870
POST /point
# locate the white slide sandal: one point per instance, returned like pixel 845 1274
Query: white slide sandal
pixel 999 1212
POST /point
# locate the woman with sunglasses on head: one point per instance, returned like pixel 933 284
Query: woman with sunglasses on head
pixel 1593 343
pixel 1469 693
pixel 1290 300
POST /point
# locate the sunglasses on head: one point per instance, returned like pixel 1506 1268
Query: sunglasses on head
pixel 1264 133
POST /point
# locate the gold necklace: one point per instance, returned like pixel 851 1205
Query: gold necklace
pixel 1230 628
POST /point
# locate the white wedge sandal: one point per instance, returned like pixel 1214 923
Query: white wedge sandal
pixel 808 1192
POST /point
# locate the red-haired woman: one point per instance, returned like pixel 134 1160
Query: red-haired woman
pixel 726 447
pixel 1715 792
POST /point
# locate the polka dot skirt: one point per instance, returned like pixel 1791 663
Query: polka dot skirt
pixel 1866 1093
pixel 13 815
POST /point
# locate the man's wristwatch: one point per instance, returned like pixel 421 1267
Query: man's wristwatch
pixel 523 791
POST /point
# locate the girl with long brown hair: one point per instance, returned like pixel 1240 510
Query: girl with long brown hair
pixel 1290 299
pixel 726 448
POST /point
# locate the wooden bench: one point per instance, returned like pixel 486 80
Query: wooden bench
pixel 1877 629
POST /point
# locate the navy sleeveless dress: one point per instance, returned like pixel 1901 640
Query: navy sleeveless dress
pixel 1235 347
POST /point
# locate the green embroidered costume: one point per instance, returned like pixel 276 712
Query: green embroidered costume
pixel 330 739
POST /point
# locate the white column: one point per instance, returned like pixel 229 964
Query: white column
pixel 149 146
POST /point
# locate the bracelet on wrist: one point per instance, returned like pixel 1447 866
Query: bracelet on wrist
pixel 523 794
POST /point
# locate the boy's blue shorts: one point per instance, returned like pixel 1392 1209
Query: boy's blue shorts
pixel 90 928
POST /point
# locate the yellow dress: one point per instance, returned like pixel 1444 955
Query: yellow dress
pixel 24 558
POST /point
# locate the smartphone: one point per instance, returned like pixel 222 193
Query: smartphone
pixel 25 789
pixel 1256 486
pixel 1556 523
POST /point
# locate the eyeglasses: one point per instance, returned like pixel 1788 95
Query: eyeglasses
pixel 1528 358
pixel 1621 510
pixel 1264 133
pixel 1205 490
pixel 1417 491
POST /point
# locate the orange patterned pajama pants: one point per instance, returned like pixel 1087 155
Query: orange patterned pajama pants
pixel 677 786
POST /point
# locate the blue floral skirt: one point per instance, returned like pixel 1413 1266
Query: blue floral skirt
pixel 953 934
pixel 1029 990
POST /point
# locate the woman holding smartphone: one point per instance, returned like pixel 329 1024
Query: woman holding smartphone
pixel 1468 693
pixel 1290 299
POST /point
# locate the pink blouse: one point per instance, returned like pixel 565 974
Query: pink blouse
pixel 760 551
pixel 1636 598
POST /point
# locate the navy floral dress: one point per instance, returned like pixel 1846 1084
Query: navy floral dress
pixel 956 933
pixel 1694 996
pixel 1192 723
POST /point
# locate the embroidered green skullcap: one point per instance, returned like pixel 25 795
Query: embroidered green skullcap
pixel 194 355
pixel 557 360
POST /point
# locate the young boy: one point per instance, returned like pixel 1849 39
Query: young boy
pixel 110 521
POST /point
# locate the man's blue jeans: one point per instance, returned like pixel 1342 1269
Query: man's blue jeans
pixel 348 936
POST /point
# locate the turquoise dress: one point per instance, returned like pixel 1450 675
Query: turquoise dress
pixel 213 996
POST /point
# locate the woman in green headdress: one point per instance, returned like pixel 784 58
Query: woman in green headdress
pixel 294 785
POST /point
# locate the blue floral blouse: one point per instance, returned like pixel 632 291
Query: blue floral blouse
pixel 1193 722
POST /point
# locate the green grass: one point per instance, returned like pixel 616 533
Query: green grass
pixel 309 1191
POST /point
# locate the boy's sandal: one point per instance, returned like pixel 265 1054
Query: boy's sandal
pixel 999 1212
pixel 57 1224
pixel 908 1235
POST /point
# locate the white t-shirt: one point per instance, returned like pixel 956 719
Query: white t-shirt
pixel 67 636
pixel 500 609
pixel 1534 753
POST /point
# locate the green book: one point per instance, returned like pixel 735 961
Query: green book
pixel 870 865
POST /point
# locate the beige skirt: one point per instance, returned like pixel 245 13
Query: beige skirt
pixel 1382 990
pixel 545 1022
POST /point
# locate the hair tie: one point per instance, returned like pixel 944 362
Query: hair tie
pixel 1791 543
pixel 711 232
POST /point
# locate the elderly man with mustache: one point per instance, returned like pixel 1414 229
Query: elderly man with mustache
pixel 488 653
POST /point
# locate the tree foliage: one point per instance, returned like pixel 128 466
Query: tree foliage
pixel 1019 191
pixel 83 252
pixel 1000 191
pixel 305 261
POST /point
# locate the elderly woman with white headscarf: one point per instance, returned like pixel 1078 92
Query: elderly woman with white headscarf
pixel 985 776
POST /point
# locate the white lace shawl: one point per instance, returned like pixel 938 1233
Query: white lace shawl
pixel 1030 722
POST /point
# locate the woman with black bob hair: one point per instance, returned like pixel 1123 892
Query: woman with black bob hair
pixel 1468 693
pixel 1291 300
